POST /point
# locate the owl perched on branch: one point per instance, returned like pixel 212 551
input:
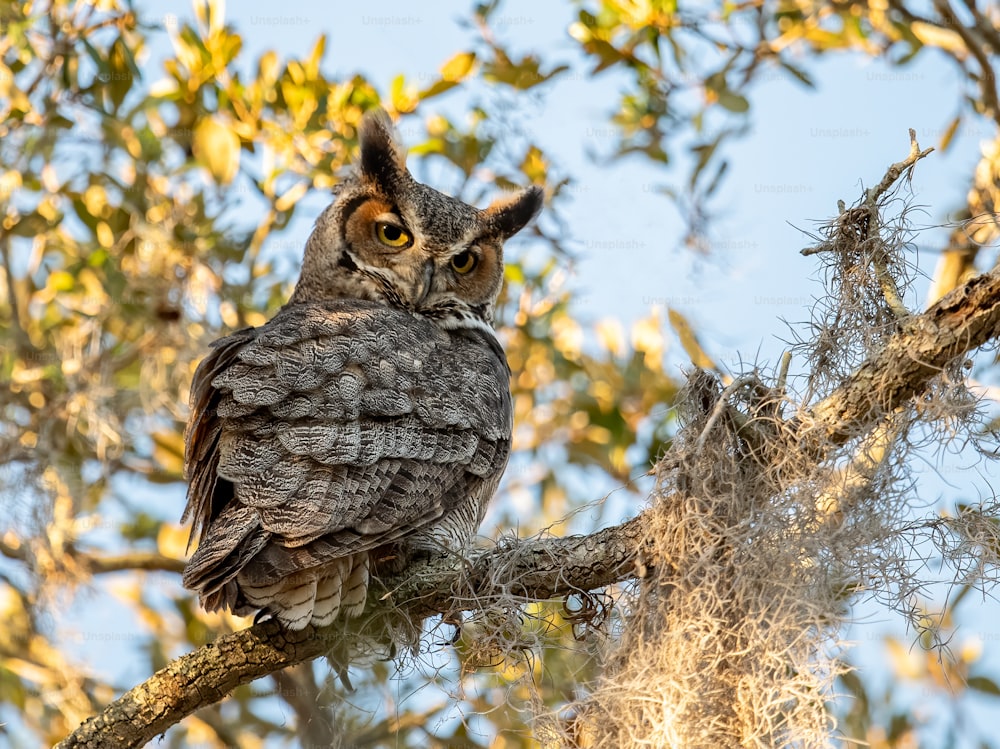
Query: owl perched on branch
pixel 371 416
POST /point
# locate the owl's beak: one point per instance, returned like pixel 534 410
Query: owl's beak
pixel 428 284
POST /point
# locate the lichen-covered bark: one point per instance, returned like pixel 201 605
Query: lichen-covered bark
pixel 536 569
pixel 547 567
pixel 965 319
pixel 193 681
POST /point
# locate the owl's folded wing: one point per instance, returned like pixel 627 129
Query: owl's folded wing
pixel 336 429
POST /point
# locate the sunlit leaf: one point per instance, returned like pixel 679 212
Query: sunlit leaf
pixel 268 68
pixel 906 663
pixel 168 451
pixel 689 340
pixel 949 134
pixel 172 540
pixel 315 57
pixel 458 67
pixel 437 88
pixel 404 96
pixel 534 165
pixel 217 147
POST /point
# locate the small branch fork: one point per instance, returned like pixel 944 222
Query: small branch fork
pixel 894 172
pixel 870 203
pixel 872 198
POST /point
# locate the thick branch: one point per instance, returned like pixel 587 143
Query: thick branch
pixel 536 569
pixel 965 319
pixel 541 568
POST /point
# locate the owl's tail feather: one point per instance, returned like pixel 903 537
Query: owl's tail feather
pixel 314 596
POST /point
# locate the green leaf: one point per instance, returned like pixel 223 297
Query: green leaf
pixel 899 726
pixel 30 225
pixel 733 102
pixel 94 55
pixel 956 600
pixel 141 526
pixel 984 684
pixel 120 73
pixel 606 54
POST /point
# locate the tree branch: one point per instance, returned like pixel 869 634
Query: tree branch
pixel 535 569
pixel 97 564
pixel 543 567
pixel 136 560
pixel 965 319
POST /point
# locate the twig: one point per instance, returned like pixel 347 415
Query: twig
pixel 869 205
pixel 98 564
pixel 786 362
pixel 21 339
pixel 721 405
pixel 894 172
pixel 888 286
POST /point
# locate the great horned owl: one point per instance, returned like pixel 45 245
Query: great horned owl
pixel 370 416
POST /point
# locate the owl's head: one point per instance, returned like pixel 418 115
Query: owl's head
pixel 388 238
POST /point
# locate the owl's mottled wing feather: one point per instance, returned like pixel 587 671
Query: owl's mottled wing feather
pixel 335 429
pixel 206 497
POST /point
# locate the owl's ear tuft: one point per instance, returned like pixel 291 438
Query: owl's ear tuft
pixel 383 160
pixel 507 216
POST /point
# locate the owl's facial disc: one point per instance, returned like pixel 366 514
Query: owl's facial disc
pixel 415 269
pixel 388 238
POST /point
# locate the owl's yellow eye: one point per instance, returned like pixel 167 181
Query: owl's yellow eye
pixel 392 235
pixel 463 262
